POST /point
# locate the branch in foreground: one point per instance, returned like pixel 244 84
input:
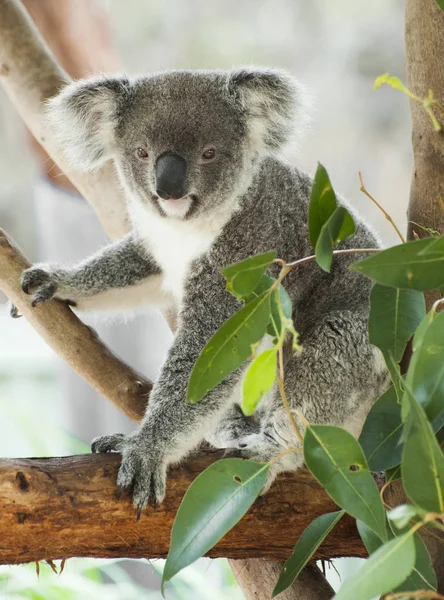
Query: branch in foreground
pixel 73 341
pixel 62 507
pixel 30 75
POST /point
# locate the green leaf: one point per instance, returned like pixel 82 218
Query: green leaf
pixel 394 316
pixel 395 374
pixel 392 81
pixel 322 203
pixel 337 461
pixel 440 4
pixel 422 464
pixel 215 501
pixel 265 283
pixel 339 226
pixel 381 435
pixel 308 543
pixel 229 347
pixel 258 380
pixel 386 568
pixel 423 575
pixel 407 266
pixel 425 377
pixel 244 276
pixel 393 474
pixel 370 540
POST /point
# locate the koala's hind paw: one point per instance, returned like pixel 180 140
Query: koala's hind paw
pixel 139 469
pixel 40 283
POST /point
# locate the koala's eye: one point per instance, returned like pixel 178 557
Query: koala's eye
pixel 141 154
pixel 208 155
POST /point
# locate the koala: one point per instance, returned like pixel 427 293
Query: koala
pixel 199 155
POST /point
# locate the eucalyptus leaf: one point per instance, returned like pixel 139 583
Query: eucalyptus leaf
pixel 244 276
pixel 423 576
pixel 258 380
pixel 422 464
pixel 339 226
pixel 440 4
pixel 337 461
pixel 265 283
pixel 393 474
pixel 308 543
pixel 370 540
pixel 394 316
pixel 381 434
pixel 406 266
pixel 322 203
pixel 215 501
pixel 229 347
pixel 425 377
pixel 386 568
pixel 395 374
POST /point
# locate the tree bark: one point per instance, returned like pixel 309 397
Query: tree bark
pixel 30 76
pixel 424 40
pixel 55 508
pixel 257 578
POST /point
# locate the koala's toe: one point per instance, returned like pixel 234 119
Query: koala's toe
pixel 108 443
pixel 44 293
pixel 32 278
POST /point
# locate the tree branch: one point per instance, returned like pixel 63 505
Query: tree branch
pixel 73 341
pixel 30 76
pixel 57 508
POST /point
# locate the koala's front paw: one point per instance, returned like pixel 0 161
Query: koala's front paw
pixel 39 283
pixel 140 469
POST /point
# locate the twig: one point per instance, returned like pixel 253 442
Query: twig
pixel 281 387
pixel 312 258
pixel 384 212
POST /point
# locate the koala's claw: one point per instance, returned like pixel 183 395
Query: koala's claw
pixel 139 470
pixel 41 284
pixel 13 311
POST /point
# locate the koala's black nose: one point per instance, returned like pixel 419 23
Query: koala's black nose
pixel 171 170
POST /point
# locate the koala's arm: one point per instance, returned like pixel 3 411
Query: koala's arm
pixel 120 276
pixel 171 427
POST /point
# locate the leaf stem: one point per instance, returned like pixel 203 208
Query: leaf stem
pixel 281 387
pixel 384 212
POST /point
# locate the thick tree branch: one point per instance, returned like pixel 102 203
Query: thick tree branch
pixel 73 341
pixel 62 507
pixel 30 75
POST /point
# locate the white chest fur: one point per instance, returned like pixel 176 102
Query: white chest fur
pixel 173 243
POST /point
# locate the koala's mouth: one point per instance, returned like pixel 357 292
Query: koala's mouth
pixel 178 209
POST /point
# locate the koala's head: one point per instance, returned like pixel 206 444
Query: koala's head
pixel 185 143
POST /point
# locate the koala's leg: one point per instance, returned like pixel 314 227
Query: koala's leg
pixel 120 276
pixel 335 381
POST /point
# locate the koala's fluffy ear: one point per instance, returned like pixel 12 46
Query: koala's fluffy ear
pixel 84 117
pixel 275 106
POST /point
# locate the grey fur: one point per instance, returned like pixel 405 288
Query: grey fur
pixel 246 201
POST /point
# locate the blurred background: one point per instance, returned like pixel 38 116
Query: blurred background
pixel 337 49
